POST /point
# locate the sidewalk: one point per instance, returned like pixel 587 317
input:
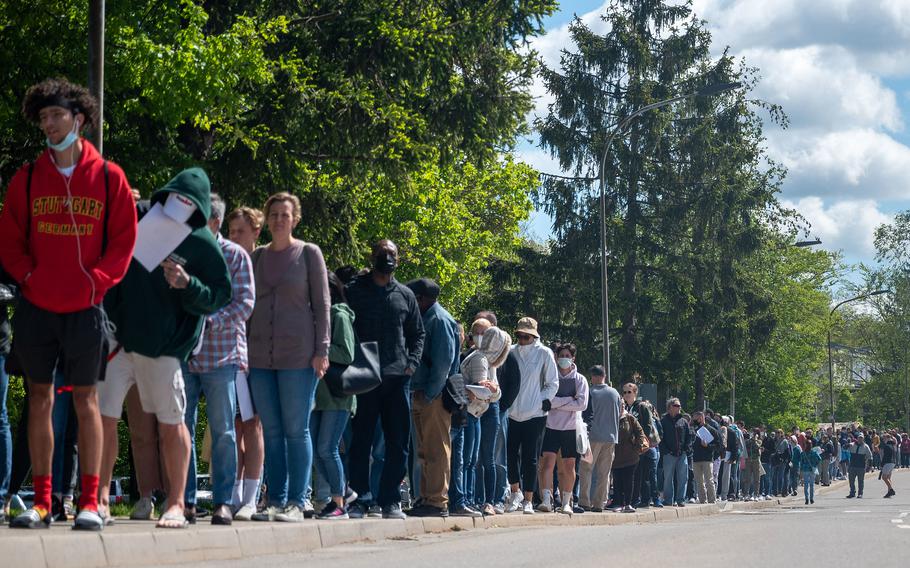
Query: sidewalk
pixel 139 543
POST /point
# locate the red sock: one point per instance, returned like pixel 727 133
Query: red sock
pixel 42 485
pixel 89 498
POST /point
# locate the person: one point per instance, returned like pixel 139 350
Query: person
pixel 559 434
pixel 752 473
pixel 244 228
pixel 6 438
pixel 809 459
pixel 385 311
pixel 729 458
pixel 646 490
pixel 67 232
pixel 288 351
pixel 631 443
pixel 780 460
pixel 602 417
pixel 703 450
pixel 213 371
pixel 479 369
pixel 905 450
pixel 675 447
pixel 827 452
pixel 528 413
pixel 159 317
pixel 331 413
pixel 432 421
pixel 860 459
pixel 890 452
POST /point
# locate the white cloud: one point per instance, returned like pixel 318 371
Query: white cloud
pixel 847 225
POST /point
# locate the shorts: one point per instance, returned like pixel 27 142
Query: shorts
pixel 45 341
pixel 159 382
pixel 887 469
pixel 560 441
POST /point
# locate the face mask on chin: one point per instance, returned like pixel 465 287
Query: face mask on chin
pixel 67 141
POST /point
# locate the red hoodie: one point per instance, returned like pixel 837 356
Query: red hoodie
pixel 46 261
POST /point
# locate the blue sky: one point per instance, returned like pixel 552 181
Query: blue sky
pixel 841 70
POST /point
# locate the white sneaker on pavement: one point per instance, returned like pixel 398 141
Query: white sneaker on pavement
pixel 528 508
pixel 514 503
pixel 566 509
pixel 546 503
pixel 244 513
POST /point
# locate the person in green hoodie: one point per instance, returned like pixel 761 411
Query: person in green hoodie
pixel 159 317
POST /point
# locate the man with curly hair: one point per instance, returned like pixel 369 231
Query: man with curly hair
pixel 67 233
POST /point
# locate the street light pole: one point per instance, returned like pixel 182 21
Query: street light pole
pixel 96 65
pixel 830 364
pixel 707 91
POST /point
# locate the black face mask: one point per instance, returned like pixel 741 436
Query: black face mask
pixel 385 263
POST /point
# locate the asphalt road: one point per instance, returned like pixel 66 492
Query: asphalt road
pixel 872 532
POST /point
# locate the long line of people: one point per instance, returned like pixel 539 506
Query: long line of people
pixel 468 425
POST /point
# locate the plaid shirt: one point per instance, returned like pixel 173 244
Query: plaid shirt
pixel 224 341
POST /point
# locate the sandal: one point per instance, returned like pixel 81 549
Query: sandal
pixel 172 520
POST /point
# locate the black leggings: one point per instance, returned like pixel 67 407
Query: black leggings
pixel 623 481
pixel 523 443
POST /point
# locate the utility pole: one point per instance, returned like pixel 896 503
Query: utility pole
pixel 96 65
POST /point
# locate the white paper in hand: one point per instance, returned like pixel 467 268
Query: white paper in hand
pixel 157 235
pixel 481 392
pixel 704 435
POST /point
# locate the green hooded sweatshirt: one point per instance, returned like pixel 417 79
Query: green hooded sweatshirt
pixel 154 319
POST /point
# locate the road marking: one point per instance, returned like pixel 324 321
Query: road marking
pixel 897 520
pixel 903 515
pixel 903 526
pixel 857 511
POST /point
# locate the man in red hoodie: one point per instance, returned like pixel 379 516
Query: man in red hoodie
pixel 67 232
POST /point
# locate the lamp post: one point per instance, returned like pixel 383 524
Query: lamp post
pixel 830 364
pixel 707 91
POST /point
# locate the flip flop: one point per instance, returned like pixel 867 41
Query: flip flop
pixel 178 520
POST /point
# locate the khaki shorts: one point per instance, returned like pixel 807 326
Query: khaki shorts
pixel 159 382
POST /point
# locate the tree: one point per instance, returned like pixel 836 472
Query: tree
pixel 690 199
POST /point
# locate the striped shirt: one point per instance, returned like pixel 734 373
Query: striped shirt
pixel 224 339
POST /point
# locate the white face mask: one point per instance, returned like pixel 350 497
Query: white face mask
pixel 523 349
pixel 564 362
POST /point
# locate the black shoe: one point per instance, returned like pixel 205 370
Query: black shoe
pixel 577 510
pixel 807 501
pixel 851 496
pixel 57 510
pixel 424 510
pixel 222 515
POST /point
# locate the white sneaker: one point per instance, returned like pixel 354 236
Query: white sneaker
pixel 528 508
pixel 143 510
pixel 308 510
pixel 244 513
pixel 267 514
pixel 514 503
pixel 291 514
pixel 566 509
pixel 545 505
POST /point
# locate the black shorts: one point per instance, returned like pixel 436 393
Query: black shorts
pixel 74 342
pixel 560 441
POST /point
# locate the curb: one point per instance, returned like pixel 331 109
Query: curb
pixel 146 546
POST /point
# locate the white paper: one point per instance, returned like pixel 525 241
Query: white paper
pixel 157 236
pixel 481 392
pixel 244 400
pixel 704 435
pixel 179 208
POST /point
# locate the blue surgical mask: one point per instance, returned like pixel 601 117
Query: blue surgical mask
pixel 67 141
pixel 564 362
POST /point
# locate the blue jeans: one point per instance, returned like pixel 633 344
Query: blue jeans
pixel 456 478
pixel 327 428
pixel 6 439
pixel 486 467
pixel 646 489
pixel 766 479
pixel 221 404
pixel 501 487
pixel 809 485
pixel 471 453
pixel 676 468
pixel 778 478
pixel 284 399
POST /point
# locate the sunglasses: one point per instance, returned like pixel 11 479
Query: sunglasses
pixel 522 336
pixel 677 406
pixel 628 392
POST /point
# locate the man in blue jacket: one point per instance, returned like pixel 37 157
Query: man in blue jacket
pixel 431 419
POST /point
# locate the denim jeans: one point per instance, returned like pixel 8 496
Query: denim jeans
pixel 501 488
pixel 646 489
pixel 766 479
pixel 486 466
pixel 676 468
pixel 327 427
pixel 284 399
pixel 6 438
pixel 778 478
pixel 809 485
pixel 218 386
pixel 456 478
pixel 471 454
pixel 390 403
